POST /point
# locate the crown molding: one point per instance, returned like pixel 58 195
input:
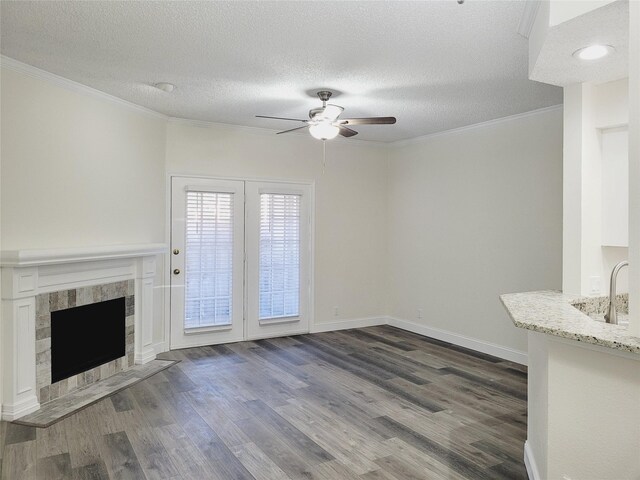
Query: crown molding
pixel 474 126
pixel 528 17
pixel 270 131
pixel 15 65
pixel 35 72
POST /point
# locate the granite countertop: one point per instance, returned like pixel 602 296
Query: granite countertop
pixel 552 312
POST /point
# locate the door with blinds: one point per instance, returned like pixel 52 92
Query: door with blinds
pixel 240 260
pixel 278 252
pixel 207 252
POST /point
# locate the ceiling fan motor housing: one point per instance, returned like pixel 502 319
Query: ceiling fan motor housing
pixel 324 95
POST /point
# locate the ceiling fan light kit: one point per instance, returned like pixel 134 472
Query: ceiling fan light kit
pixel 324 131
pixel 324 122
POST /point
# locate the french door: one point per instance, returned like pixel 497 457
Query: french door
pixel 240 260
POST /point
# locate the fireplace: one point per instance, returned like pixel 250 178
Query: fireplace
pixel 86 337
pixel 48 301
pixel 83 335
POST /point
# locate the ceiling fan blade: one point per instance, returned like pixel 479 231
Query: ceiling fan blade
pixel 282 118
pixel 292 130
pixel 368 121
pixel 346 132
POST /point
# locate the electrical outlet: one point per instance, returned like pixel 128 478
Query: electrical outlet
pixel 335 311
pixel 595 285
pixel 419 314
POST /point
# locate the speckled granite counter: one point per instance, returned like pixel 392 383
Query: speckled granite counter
pixel 551 312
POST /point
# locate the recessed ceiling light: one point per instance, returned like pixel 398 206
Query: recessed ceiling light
pixel 593 52
pixel 165 87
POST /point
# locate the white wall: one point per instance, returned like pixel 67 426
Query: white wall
pixel 78 170
pixel 350 202
pixel 474 214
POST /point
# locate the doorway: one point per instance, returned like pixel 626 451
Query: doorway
pixel 240 260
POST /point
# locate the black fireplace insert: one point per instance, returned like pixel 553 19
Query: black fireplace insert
pixel 87 336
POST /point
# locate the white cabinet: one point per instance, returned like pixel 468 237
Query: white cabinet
pixel 615 187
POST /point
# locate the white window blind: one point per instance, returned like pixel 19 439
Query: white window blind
pixel 208 259
pixel 279 275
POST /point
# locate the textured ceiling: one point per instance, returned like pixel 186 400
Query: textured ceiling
pixel 434 65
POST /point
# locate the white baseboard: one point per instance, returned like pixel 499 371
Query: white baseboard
pixel 530 463
pixel 20 409
pixel 444 335
pixel 145 357
pixel 349 323
pixel 461 340
pixel 160 347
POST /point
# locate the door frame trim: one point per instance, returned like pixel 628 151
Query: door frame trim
pixel 166 277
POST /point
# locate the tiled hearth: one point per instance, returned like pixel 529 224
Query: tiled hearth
pixel 46 303
pixel 36 283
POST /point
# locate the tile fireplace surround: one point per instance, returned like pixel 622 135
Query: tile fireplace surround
pixel 37 282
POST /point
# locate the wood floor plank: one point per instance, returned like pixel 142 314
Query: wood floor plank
pixel 19 461
pixel 95 471
pixel 52 441
pixel 55 467
pixel 148 449
pixel 274 448
pixel 258 463
pixel 333 470
pixel 373 375
pixel 443 454
pixel 220 461
pixel 82 441
pixel 297 440
pixel 122 401
pixel 19 433
pixel 120 458
pixel 378 475
pixel 417 462
pixel 149 404
pixel 347 443
pixel 219 414
pixel 182 452
pixel 287 353
pixel 179 380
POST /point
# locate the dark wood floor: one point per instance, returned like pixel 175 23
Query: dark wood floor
pixel 374 403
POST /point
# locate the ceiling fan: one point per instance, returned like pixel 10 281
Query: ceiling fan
pixel 324 122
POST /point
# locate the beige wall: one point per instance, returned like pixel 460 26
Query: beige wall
pixel 350 202
pixel 474 214
pixel 78 171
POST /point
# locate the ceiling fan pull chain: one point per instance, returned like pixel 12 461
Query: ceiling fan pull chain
pixel 324 155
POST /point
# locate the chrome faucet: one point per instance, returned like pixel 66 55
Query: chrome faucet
pixel 612 316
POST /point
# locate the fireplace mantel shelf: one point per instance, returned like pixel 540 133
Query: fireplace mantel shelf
pixel 53 256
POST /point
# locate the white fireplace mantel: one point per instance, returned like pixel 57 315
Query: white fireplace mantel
pixel 52 256
pixel 28 273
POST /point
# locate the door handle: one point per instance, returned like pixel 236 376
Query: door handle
pixel 176 271
pixel 176 251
